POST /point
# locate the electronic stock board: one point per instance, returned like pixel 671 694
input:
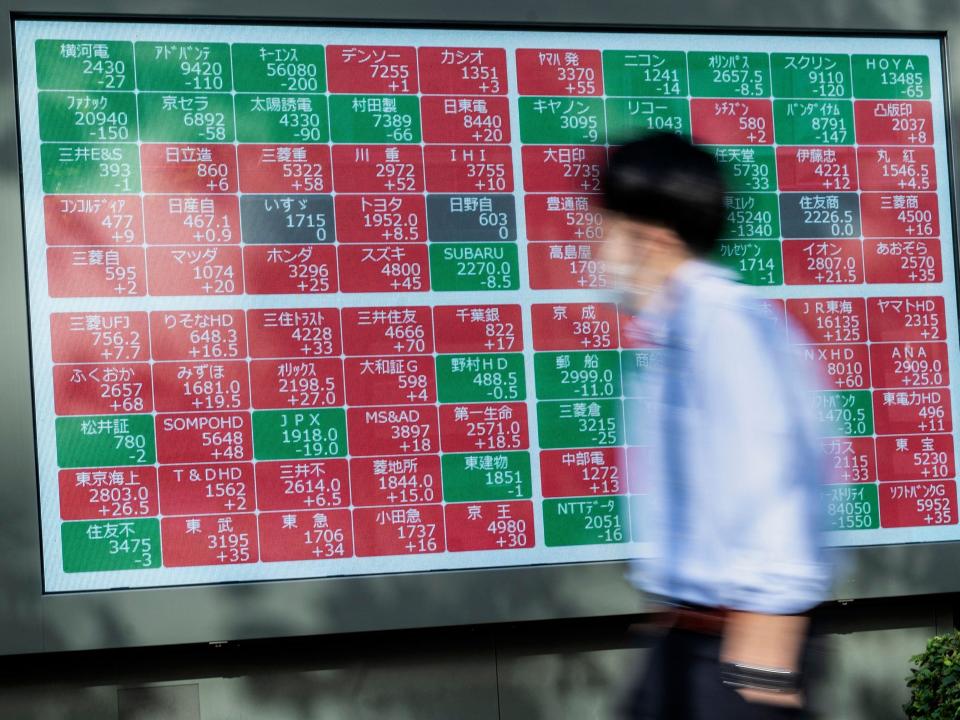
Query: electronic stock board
pixel 312 301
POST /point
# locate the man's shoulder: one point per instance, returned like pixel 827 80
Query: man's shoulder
pixel 712 288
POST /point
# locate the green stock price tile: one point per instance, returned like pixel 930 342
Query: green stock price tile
pixel 278 68
pixel 813 122
pixel 576 375
pixel 480 377
pixel 105 441
pixel 891 77
pixel 758 262
pixel 474 266
pixel 644 73
pixel 296 434
pixel 282 118
pixel 478 477
pixel 87 168
pixel 729 74
pixel 562 121
pixel 846 413
pixel 586 521
pixel 375 119
pixel 184 66
pixel 626 117
pixel 580 423
pixel 751 216
pixel 810 75
pixel 84 65
pixel 186 117
pixel 851 507
pixel 107 545
pixel 88 117
pixel 747 169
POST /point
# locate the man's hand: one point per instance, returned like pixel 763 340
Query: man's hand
pixel 776 642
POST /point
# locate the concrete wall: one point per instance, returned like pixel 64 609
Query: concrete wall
pixel 571 670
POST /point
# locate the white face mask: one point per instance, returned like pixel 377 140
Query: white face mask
pixel 639 259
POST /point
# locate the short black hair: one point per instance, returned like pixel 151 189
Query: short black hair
pixel 663 179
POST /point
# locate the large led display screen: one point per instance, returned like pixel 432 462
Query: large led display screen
pixel 312 301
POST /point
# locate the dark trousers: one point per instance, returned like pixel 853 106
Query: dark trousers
pixel 682 682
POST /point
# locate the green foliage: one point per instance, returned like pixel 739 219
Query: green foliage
pixel 935 681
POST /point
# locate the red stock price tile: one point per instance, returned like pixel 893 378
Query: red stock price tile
pixel 404 480
pixel 107 388
pixel 185 270
pixel 387 330
pixel 489 526
pixel 206 489
pixel 578 473
pixel 906 318
pixel 297 383
pixel 381 218
pixel 811 169
pixel 290 269
pixel 468 168
pixel 397 430
pixel 574 326
pixel 98 493
pixel 563 217
pixel 893 122
pixel 897 168
pixel 851 460
pixel 822 262
pixel 200 386
pixel 303 484
pixel 902 412
pixel 192 219
pixel 464 119
pixel 284 168
pixel 87 337
pixel 209 540
pixel 93 219
pixel 483 427
pixel 450 70
pixel 918 504
pixel 902 261
pixel 731 122
pixel 378 168
pixel 827 320
pixel 390 380
pixel 907 365
pixel 548 71
pixel 844 367
pixel 168 168
pixel 915 457
pixel 197 334
pixel 478 328
pixel 384 268
pixel 564 168
pixel 305 535
pixel 303 332
pixel 371 69
pixel 566 266
pixel 96 272
pixel 410 530
pixel 891 215
pixel 203 437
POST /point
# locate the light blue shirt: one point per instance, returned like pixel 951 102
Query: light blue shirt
pixel 734 470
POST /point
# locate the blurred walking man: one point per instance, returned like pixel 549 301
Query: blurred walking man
pixel 734 465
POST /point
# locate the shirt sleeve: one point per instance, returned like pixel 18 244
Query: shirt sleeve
pixel 765 462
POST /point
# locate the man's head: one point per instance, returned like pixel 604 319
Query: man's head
pixel 663 203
